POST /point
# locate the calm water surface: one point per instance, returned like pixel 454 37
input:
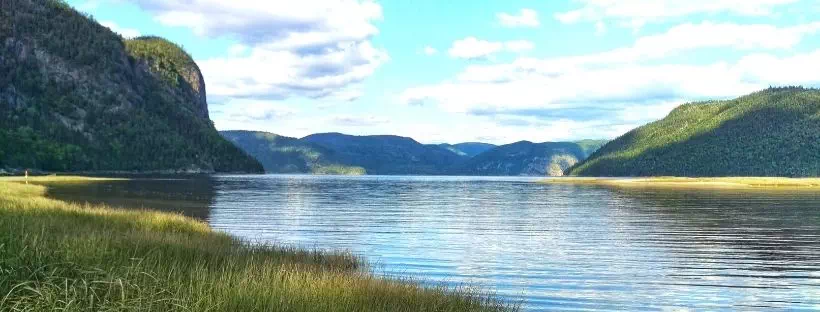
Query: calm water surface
pixel 550 247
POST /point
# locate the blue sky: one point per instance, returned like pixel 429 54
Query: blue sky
pixel 491 71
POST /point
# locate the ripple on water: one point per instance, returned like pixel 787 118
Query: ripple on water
pixel 551 247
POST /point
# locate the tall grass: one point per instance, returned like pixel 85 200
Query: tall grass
pixel 59 256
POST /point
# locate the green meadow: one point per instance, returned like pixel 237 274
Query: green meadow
pixel 61 256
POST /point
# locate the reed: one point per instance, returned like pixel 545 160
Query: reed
pixel 56 255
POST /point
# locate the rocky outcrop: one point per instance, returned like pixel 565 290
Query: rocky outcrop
pixel 75 96
pixel 168 61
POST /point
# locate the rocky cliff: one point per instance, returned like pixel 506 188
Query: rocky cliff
pixel 74 96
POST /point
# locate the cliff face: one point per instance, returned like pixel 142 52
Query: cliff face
pixel 169 62
pixel 75 96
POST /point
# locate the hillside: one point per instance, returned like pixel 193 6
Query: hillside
pixel 469 149
pixel 387 154
pixel 336 153
pixel 528 159
pixel 281 154
pixel 74 96
pixel 775 132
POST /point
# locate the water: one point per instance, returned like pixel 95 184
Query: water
pixel 549 247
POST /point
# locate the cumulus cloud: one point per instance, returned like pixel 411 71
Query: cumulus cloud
pixel 310 48
pixel 247 110
pixel 281 74
pixel 525 91
pixel 428 50
pixel 636 13
pixel 524 18
pixel 122 31
pixel 474 48
pixel 519 45
pixel 676 41
pixel 624 87
pixel 237 50
pixel 307 24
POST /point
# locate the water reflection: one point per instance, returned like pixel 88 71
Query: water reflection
pixel 554 247
pixel 557 247
pixel 190 196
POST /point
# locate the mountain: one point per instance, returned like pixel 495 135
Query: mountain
pixel 387 154
pixel 775 132
pixel 281 154
pixel 75 96
pixel 528 159
pixel 469 149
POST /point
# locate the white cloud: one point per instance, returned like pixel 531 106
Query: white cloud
pixel 529 92
pixel 281 74
pixel 122 31
pixel 636 13
pixel 600 28
pixel 247 110
pixel 473 48
pixel 284 24
pixel 310 48
pixel 525 18
pixel 681 39
pixel 428 50
pixel 237 50
pixel 626 87
pixel 519 46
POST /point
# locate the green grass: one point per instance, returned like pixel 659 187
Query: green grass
pixel 60 256
pixel 708 183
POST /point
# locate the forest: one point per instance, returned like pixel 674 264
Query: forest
pixel 78 97
pixel 774 132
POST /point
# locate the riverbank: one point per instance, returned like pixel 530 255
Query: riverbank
pixel 698 183
pixel 56 255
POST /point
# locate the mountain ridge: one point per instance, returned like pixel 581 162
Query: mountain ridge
pixel 78 97
pixel 391 154
pixel 773 132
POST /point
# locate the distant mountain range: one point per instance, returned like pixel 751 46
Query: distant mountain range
pixel 528 159
pixel 336 153
pixel 775 132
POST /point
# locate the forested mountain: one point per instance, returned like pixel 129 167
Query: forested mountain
pixel 387 154
pixel 529 159
pixel 76 96
pixel 469 149
pixel 281 154
pixel 775 132
pixel 336 153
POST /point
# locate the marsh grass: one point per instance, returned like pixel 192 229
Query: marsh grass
pixel 768 183
pixel 60 256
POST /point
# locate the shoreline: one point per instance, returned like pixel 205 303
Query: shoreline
pixel 95 257
pixel 742 183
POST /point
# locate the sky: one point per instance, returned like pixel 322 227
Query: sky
pixel 449 71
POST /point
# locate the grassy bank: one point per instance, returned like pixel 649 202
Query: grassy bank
pixel 62 256
pixel 705 183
